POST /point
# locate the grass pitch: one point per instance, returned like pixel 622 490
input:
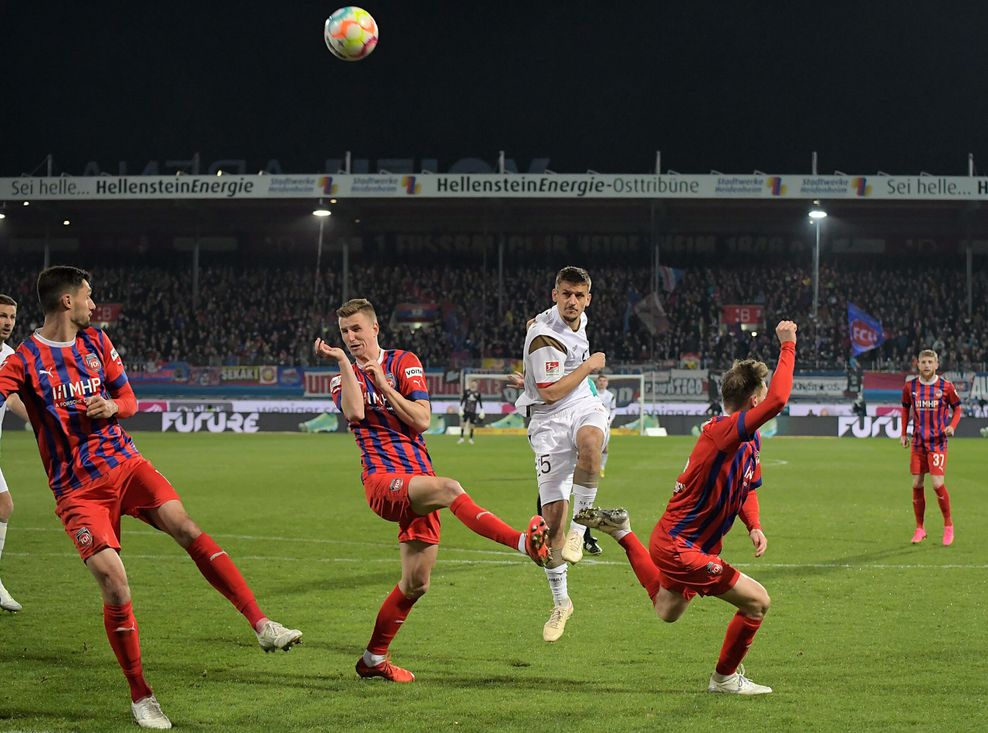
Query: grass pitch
pixel 866 632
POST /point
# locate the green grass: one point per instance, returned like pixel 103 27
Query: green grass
pixel 866 632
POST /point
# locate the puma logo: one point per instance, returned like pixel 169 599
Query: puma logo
pixel 480 514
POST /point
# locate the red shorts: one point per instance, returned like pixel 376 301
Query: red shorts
pixel 687 570
pixel 922 460
pixel 91 515
pixel 387 496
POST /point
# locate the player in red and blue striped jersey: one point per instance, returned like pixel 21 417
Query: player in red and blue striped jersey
pixel 73 384
pixel 384 397
pixel 718 485
pixel 927 400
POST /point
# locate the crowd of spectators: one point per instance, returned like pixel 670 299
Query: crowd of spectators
pixel 261 314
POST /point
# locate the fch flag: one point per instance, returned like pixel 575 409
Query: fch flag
pixel 865 330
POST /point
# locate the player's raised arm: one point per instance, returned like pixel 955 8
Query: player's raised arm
pixel 351 401
pixel 781 387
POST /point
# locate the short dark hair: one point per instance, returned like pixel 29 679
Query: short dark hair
pixel 575 275
pixel 55 282
pixel 741 381
pixel 357 305
pixel 7 300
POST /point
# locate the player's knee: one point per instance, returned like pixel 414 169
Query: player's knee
pixel 757 607
pixel 415 589
pixel 6 506
pixel 450 489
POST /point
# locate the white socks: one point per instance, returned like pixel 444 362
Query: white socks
pixel 372 660
pixel 521 543
pixel 557 584
pixel 3 535
pixel 583 498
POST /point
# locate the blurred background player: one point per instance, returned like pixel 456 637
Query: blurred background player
pixel 471 410
pixel 567 428
pixel 718 485
pixel 74 387
pixel 384 397
pixel 8 317
pixel 609 400
pixel 926 400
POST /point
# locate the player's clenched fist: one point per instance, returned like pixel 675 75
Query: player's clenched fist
pixel 786 331
pixel 597 361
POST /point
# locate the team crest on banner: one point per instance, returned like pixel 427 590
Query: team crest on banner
pixel 865 330
pixel 92 361
pixel 84 538
pixel 395 484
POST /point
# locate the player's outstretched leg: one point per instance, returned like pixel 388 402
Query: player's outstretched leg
pixel 221 572
pixel 429 493
pixel 617 524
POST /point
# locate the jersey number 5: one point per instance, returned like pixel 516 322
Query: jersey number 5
pixel 542 465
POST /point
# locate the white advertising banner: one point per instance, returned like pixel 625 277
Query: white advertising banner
pixel 496 185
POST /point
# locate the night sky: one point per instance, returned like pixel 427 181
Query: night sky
pixel 732 86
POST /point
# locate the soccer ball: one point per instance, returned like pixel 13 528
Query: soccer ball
pixel 351 33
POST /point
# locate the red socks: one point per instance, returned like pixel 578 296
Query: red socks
pixel 121 630
pixel 483 522
pixel 393 613
pixel 919 505
pixel 217 567
pixel 641 562
pixel 943 499
pixel 740 633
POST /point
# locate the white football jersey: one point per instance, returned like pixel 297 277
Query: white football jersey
pixel 553 350
pixel 5 351
pixel 609 400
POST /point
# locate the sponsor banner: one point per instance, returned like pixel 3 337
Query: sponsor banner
pixel 488 185
pixel 743 314
pixel 317 383
pixel 688 384
pixel 808 386
pixel 209 422
pixel 152 405
pixel 241 375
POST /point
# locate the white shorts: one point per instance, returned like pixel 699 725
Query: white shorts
pixel 553 438
pixel 3 483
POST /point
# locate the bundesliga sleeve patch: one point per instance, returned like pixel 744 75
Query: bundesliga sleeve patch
pixel 114 355
pixel 335 383
pixel 551 368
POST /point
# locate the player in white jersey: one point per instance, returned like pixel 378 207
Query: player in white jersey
pixel 609 400
pixel 8 317
pixel 567 429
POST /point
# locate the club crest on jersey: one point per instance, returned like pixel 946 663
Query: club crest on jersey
pixel 92 361
pixel 395 484
pixel 391 379
pixel 714 568
pixel 84 538
pixel 551 368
